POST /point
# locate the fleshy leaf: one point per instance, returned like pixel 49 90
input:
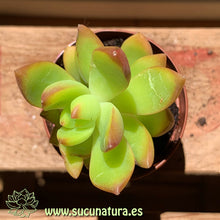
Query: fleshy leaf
pixel 110 126
pixel 85 107
pixel 86 43
pixel 65 118
pixel 60 94
pixel 73 164
pixel 34 78
pixel 81 150
pixel 159 123
pixel 74 136
pixel 68 122
pixel 135 47
pixel 148 61
pixel 70 62
pixel 152 91
pixel 110 171
pixel 110 72
pixel 140 141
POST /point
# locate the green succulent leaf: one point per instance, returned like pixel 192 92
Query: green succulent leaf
pixel 159 123
pixel 81 150
pixel 148 61
pixel 85 107
pixel 65 118
pixel 140 141
pixel 110 72
pixel 73 157
pixel 135 47
pixel 34 78
pixel 76 135
pixel 60 94
pixel 110 126
pixel 152 91
pixel 73 164
pixel 86 43
pixel 110 171
pixel 68 122
pixel 70 62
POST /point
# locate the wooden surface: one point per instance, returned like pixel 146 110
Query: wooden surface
pixel 40 215
pixel 176 10
pixel 24 144
pixel 189 216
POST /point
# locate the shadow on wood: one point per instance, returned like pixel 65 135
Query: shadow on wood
pixel 167 189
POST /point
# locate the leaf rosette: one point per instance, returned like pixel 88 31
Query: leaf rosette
pixel 106 104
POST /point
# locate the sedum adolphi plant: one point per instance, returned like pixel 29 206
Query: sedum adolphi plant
pixel 106 104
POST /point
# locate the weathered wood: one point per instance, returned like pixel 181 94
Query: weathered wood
pixel 179 10
pixel 40 215
pixel 24 144
pixel 189 216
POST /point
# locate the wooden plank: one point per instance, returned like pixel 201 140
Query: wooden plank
pixel 40 215
pixel 175 10
pixel 189 216
pixel 24 144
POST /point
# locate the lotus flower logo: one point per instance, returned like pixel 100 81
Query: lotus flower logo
pixel 22 203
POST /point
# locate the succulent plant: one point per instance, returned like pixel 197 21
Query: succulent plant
pixel 106 104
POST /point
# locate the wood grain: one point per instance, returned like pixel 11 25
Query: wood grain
pixel 189 216
pixel 40 215
pixel 24 144
pixel 178 10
